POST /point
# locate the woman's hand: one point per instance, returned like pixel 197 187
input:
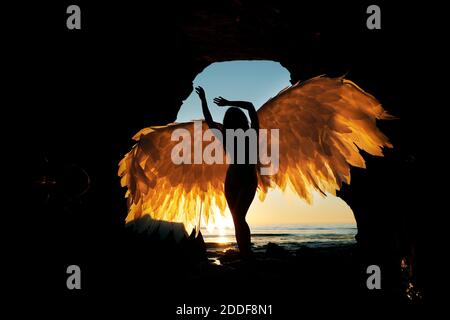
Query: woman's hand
pixel 200 92
pixel 221 102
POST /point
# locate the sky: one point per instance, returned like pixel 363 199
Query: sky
pixel 258 81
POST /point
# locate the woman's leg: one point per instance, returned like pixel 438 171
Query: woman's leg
pixel 242 231
pixel 241 204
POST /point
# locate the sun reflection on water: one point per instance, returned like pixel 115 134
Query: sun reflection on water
pixel 221 227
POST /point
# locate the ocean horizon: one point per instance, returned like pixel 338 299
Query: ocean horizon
pixel 289 236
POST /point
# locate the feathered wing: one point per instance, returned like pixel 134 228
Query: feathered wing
pixel 167 191
pixel 322 122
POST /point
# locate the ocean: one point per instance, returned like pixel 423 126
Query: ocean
pixel 291 236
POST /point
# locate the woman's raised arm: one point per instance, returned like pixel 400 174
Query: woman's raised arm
pixel 220 101
pixel 206 113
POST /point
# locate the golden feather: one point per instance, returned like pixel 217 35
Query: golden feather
pixel 322 122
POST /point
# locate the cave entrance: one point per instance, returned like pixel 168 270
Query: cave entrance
pixel 282 217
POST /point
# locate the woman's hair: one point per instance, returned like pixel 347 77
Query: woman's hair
pixel 235 119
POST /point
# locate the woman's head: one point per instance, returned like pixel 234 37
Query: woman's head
pixel 235 119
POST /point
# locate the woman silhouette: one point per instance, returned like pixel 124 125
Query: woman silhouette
pixel 241 180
